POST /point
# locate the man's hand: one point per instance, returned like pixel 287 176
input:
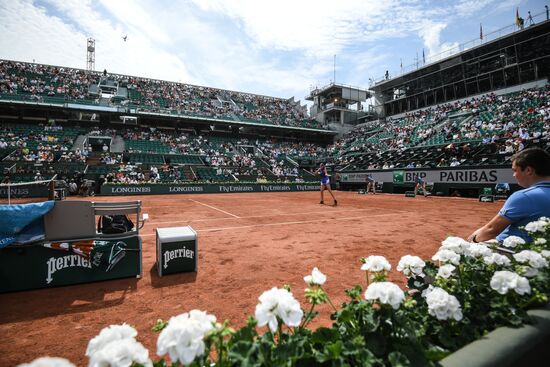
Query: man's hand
pixel 490 230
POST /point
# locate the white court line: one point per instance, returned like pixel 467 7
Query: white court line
pixel 280 223
pixel 394 211
pixel 223 211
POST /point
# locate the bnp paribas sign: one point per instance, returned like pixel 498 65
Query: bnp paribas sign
pixel 398 177
pixel 446 175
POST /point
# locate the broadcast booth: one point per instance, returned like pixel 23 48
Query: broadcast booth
pixel 55 243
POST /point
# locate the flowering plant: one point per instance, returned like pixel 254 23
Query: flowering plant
pixel 116 346
pixel 468 290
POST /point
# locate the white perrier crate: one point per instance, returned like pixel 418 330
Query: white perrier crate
pixel 176 250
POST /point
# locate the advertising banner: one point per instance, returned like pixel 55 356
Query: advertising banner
pixel 439 176
pixel 203 188
pixel 61 263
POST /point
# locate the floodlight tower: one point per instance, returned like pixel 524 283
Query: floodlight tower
pixel 90 58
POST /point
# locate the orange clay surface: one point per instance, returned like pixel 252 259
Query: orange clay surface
pixel 248 243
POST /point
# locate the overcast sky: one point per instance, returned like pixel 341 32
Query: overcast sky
pixel 279 48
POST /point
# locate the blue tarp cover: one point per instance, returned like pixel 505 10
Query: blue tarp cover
pixel 15 218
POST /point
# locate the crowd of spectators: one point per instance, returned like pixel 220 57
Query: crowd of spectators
pixel 44 80
pixel 235 157
pixel 36 81
pixel 499 124
pixel 38 145
pixel 184 99
pixel 110 159
pixel 504 123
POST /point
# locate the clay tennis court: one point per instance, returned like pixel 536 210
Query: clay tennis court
pixel 247 243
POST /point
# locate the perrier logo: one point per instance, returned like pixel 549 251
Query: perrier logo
pixel 398 177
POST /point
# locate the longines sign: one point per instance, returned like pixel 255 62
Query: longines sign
pixel 467 176
pixel 206 188
pixel 24 192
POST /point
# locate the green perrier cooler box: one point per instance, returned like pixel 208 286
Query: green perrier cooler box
pixel 176 250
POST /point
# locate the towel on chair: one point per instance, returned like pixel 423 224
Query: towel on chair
pixel 14 220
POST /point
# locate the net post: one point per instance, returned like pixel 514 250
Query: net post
pixel 51 190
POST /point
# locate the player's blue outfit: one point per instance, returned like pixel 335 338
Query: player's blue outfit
pixel 419 180
pixel 525 206
pixel 370 178
pixel 325 180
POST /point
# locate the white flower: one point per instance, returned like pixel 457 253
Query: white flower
pixel 455 244
pixel 445 256
pixel 121 353
pixel 513 241
pixel 477 250
pixel 109 334
pixel 316 278
pixel 503 281
pixel 497 259
pixel 48 362
pixel 385 293
pixel 443 305
pixel 523 286
pixel 411 266
pixel 445 271
pixel 540 241
pixel 183 338
pixel 427 290
pixel 533 258
pixel 376 264
pixel 528 271
pixel 545 253
pixel 204 321
pixel 536 226
pixel 278 303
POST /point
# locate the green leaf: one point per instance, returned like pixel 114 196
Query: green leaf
pixel 371 320
pixel 160 363
pixel 160 324
pixel 247 332
pixel 334 349
pixel 436 353
pixel 290 351
pixel 446 338
pixel 376 343
pixel 361 357
pixel 324 335
pixel 398 359
pixel 355 292
pixel 244 353
pixel 345 316
pixel 330 352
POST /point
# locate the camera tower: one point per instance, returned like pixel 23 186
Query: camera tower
pixel 90 57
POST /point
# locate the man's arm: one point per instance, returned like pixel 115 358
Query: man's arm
pixel 490 230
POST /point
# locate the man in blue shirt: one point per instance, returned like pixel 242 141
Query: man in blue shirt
pixel 531 170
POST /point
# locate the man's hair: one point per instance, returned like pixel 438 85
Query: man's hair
pixel 536 158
